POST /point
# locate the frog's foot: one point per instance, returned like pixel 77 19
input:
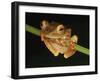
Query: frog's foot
pixel 71 49
pixel 68 54
pixel 51 47
pixel 74 38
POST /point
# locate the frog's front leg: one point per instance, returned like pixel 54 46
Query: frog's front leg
pixel 74 38
pixel 42 36
pixel 49 44
pixel 71 48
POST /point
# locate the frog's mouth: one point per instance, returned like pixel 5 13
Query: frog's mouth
pixel 55 37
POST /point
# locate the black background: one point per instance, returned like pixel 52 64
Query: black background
pixel 37 55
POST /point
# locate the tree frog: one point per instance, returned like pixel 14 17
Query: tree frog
pixel 58 39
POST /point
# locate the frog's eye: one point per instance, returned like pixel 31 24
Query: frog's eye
pixel 60 28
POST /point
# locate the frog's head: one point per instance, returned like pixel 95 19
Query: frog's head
pixel 55 30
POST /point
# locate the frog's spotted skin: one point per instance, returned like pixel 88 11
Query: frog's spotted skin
pixel 58 39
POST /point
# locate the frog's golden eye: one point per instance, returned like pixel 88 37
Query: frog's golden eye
pixel 60 28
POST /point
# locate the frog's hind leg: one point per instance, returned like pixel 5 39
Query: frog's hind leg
pixel 70 51
pixel 71 48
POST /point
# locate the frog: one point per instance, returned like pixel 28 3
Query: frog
pixel 58 39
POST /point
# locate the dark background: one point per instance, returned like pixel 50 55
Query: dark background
pixel 37 55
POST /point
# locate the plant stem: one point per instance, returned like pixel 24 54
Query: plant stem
pixel 36 31
pixel 33 30
pixel 82 49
